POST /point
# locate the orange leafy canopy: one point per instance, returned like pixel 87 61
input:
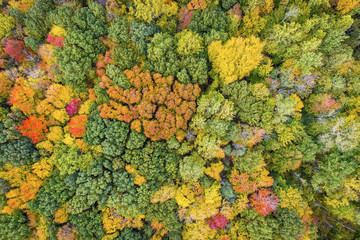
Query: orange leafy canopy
pixel 22 98
pixel 77 125
pixel 162 105
pixel 34 128
pixel 264 202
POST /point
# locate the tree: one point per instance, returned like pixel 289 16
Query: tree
pixel 290 224
pixel 252 102
pixel 119 30
pixel 77 125
pixel 13 226
pixel 140 34
pixel 211 124
pixel 66 232
pixel 263 228
pixel 148 10
pixel 155 161
pixel 16 50
pixel 92 187
pixel 18 152
pixel 36 19
pixel 162 55
pixel 88 224
pixel 159 105
pixel 81 46
pixel 6 26
pixel 51 196
pixel 6 86
pixel 124 56
pixel 59 95
pixel 241 183
pixel 189 43
pixel 333 170
pixel 34 128
pixel 192 168
pixel 236 58
pixel 23 98
pixel 68 160
pixel 211 18
pixel 193 70
pixel 73 107
pixel 346 6
pixel 219 221
pixel 264 202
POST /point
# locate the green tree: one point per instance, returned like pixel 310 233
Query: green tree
pixel 81 47
pixel 14 226
pixel 162 56
pixel 119 30
pixel 192 167
pixel 88 225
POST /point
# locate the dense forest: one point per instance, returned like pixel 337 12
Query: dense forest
pixel 189 119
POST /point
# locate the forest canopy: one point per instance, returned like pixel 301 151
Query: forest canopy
pixel 170 120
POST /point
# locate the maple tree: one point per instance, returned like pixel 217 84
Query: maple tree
pixel 22 98
pixel 162 112
pixel 34 128
pixel 16 49
pixel 264 202
pixel 77 125
pixel 219 221
pixel 73 107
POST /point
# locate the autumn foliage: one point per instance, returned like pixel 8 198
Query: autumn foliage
pixel 34 128
pixel 191 120
pixel 264 202
pixel 16 49
pixel 162 105
pixel 77 125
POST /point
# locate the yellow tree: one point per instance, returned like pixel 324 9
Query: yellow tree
pixel 346 6
pixel 236 58
pixel 147 10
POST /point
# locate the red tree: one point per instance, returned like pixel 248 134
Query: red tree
pixel 56 41
pixel 219 221
pixel 15 49
pixel 73 107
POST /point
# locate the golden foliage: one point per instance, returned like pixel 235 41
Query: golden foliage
pixel 346 6
pixel 214 170
pixel 236 58
pixel 163 194
pixel 61 215
pixel 113 222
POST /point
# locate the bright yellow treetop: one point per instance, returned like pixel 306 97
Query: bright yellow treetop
pixel 236 58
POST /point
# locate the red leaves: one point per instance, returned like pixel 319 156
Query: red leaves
pixel 219 221
pixel 73 107
pixel 184 18
pixel 57 41
pixel 264 202
pixel 34 128
pixel 15 49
